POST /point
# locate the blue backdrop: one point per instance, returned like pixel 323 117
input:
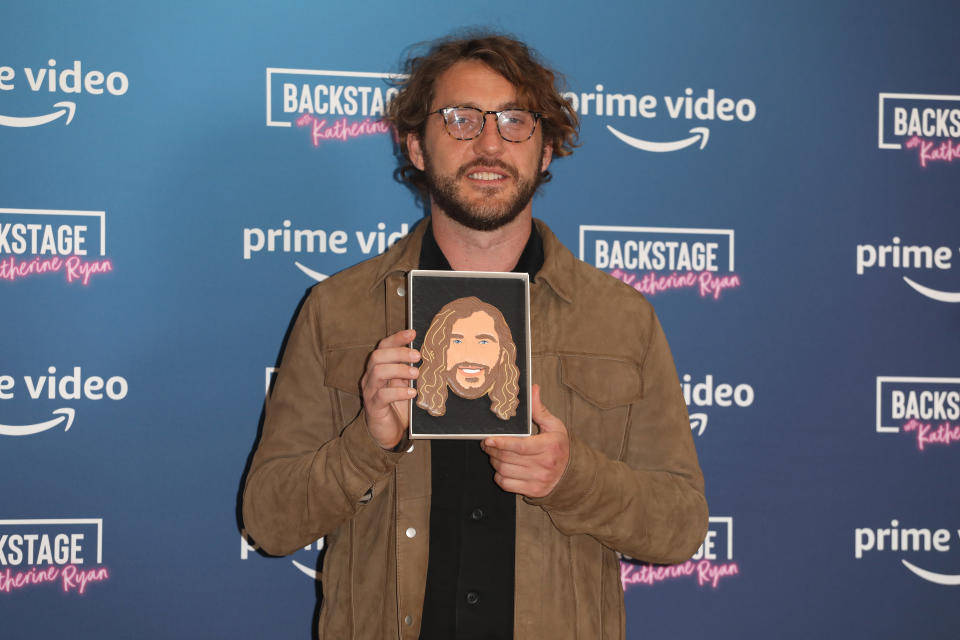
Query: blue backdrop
pixel 781 178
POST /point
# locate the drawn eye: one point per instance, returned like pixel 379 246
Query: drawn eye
pixel 484 342
pixel 457 341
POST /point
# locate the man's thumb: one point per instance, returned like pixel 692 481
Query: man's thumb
pixel 541 415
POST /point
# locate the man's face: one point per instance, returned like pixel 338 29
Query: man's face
pixel 473 351
pixel 486 182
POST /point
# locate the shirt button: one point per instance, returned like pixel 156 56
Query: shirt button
pixel 473 597
pixel 401 291
pixel 411 532
pixel 477 514
pixel 408 620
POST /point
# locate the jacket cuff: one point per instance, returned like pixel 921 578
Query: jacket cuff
pixel 365 460
pixel 576 483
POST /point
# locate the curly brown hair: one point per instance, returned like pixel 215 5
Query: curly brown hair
pixel 432 384
pixel 538 89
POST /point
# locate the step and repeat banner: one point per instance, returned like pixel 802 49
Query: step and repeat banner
pixel 780 179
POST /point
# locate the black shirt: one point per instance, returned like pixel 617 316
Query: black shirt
pixel 469 594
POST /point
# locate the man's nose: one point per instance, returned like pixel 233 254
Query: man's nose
pixel 489 140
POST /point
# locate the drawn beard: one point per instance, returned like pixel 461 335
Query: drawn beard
pixel 469 393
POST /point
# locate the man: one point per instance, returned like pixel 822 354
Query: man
pixel 469 348
pixel 426 540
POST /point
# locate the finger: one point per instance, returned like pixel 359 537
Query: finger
pixel 519 472
pixel 518 462
pixel 541 416
pixel 522 487
pixel 383 375
pixel 386 355
pixel 398 339
pixel 402 409
pixel 385 396
pixel 529 446
pixel 511 457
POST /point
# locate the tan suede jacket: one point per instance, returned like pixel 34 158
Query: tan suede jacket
pixel 632 483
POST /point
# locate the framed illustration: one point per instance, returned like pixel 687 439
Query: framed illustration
pixel 473 334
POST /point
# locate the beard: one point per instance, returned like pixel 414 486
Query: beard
pixel 468 393
pixel 486 215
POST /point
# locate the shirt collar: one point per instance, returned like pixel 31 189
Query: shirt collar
pixel 530 261
pixel 557 266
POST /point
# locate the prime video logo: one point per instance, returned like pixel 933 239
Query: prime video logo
pixel 52 79
pixel 903 540
pixel 926 259
pixel 691 107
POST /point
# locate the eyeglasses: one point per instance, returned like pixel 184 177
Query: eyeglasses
pixel 466 123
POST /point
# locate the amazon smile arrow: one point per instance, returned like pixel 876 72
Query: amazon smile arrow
pixel 30 429
pixel 934 294
pixel 66 107
pixel 945 579
pixel 700 134
pixel 316 275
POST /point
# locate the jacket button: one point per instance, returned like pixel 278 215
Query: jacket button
pixel 477 514
pixel 411 532
pixel 473 597
pixel 408 620
pixel 401 291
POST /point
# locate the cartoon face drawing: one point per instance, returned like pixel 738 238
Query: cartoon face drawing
pixel 469 349
pixel 473 351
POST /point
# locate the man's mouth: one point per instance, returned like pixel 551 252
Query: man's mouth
pixel 471 368
pixel 488 171
pixel 485 176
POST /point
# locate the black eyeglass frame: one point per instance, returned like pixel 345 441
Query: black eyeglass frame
pixel 443 111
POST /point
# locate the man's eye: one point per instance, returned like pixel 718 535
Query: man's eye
pixel 484 341
pixel 457 341
pixel 461 118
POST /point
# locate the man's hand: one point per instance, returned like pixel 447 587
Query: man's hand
pixel 531 466
pixel 386 387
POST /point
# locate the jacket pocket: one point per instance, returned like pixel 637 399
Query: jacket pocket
pixel 601 390
pixel 343 369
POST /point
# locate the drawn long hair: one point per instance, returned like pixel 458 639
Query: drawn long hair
pixel 504 376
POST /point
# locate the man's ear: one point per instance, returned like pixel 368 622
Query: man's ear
pixel 415 151
pixel 547 157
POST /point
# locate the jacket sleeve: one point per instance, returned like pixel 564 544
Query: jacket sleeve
pixel 312 466
pixel 650 503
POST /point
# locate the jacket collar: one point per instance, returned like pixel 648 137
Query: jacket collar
pixel 402 256
pixel 558 264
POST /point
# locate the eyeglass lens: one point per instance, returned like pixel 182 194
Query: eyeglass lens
pixel 464 123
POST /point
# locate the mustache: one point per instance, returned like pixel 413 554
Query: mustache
pixel 491 163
